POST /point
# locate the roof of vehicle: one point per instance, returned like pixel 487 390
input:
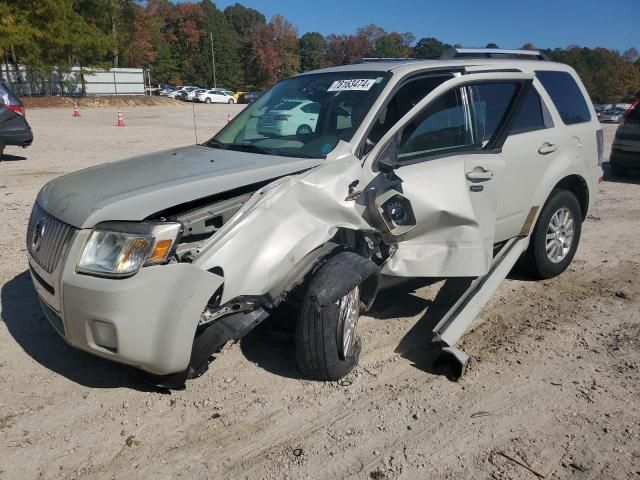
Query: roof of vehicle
pixel 405 66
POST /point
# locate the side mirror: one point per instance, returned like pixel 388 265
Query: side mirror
pixel 388 159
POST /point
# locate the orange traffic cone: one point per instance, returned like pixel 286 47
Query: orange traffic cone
pixel 76 110
pixel 120 119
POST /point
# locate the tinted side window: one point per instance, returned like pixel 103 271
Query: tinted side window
pixel 311 108
pixel 566 96
pixel 443 126
pixel 489 103
pixel 404 100
pixel 530 117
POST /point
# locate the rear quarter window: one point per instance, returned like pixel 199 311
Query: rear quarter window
pixel 566 96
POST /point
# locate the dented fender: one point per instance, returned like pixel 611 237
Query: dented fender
pixel 282 224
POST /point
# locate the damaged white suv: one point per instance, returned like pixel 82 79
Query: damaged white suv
pixel 412 169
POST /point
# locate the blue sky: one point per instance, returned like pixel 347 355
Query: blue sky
pixel 545 23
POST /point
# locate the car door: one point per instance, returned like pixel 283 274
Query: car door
pixel 439 177
pixel 529 150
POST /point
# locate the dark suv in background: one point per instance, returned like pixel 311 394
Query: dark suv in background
pixel 14 128
pixel 625 152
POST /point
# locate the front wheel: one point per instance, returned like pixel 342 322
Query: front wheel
pixel 207 101
pixel 231 101
pixel 326 339
pixel 555 238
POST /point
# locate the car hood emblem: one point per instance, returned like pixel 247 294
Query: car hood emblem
pixel 38 233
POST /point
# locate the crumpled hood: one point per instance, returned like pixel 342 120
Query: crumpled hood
pixel 137 187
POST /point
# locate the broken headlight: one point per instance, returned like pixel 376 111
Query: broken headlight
pixel 120 249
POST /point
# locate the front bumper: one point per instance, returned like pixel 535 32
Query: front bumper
pixel 148 320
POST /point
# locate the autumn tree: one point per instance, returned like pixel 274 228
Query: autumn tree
pixel 274 50
pixel 631 55
pixel 345 49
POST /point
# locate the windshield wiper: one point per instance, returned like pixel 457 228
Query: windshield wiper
pixel 248 147
pixel 213 143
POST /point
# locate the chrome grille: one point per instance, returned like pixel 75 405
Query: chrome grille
pixel 47 238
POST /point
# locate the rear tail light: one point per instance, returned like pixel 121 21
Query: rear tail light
pixel 19 109
pixel 600 142
pixel 282 117
pixel 629 110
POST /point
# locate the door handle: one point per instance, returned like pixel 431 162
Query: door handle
pixel 546 148
pixel 479 174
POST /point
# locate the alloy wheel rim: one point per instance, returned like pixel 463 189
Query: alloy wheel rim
pixel 560 233
pixel 348 313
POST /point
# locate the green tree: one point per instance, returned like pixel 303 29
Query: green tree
pixel 228 70
pixel 429 47
pixel 312 51
pixel 391 45
pixel 245 20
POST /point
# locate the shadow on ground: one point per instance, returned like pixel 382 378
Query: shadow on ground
pixel 27 325
pixel 11 158
pixel 271 345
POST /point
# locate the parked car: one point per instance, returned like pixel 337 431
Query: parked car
pixel 613 115
pixel 237 94
pixel 164 89
pixel 625 151
pixel 175 94
pixel 411 169
pixel 14 128
pixel 249 97
pixel 215 96
pixel 290 118
pixel 187 94
pixel 193 95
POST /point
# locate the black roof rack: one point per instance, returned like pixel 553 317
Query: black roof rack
pixel 454 52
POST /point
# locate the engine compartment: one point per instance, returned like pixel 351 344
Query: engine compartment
pixel 200 223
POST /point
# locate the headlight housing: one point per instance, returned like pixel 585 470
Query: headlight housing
pixel 120 249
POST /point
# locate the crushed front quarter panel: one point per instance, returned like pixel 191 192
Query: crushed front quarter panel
pixel 287 222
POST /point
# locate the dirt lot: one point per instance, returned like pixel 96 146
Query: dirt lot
pixel 554 378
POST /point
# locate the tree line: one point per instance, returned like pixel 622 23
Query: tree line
pixel 176 42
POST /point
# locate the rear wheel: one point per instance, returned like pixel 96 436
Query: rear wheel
pixel 2 145
pixel 303 131
pixel 555 238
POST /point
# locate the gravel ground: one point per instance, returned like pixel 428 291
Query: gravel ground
pixel 553 380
